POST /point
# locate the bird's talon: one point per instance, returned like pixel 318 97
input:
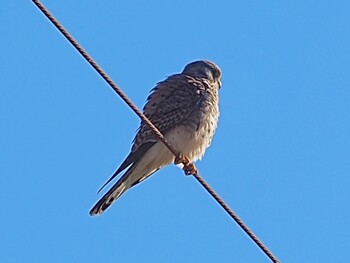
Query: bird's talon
pixel 190 169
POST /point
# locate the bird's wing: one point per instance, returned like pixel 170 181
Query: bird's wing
pixel 130 159
pixel 169 104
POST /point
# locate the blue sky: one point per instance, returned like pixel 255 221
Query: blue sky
pixel 280 156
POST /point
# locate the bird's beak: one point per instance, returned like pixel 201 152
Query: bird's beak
pixel 220 84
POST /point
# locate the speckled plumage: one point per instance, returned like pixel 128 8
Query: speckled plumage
pixel 184 107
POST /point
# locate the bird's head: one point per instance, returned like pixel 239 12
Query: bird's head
pixel 204 69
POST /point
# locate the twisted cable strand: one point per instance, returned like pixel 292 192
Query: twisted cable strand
pixel 236 218
pixel 197 176
pixel 100 71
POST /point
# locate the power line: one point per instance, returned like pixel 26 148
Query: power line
pixel 189 168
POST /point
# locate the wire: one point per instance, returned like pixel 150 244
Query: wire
pixel 178 156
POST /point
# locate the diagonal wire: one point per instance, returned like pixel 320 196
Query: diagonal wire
pixel 89 59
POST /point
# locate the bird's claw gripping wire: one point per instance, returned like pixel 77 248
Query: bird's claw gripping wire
pixel 188 167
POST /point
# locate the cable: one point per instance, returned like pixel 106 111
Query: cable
pixel 178 156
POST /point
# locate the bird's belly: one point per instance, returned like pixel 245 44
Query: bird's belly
pixel 191 140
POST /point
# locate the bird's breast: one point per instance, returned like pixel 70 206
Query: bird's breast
pixel 194 135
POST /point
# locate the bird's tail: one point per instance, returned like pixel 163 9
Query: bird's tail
pixel 113 194
pixel 134 175
pixel 129 179
pixel 155 158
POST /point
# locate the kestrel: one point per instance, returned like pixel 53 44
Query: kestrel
pixel 185 109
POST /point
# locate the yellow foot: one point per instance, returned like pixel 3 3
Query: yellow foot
pixel 181 159
pixel 189 167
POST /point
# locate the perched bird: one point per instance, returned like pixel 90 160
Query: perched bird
pixel 185 109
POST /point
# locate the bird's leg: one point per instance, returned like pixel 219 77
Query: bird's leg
pixel 181 159
pixel 189 167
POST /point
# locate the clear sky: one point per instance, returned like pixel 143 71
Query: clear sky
pixel 280 157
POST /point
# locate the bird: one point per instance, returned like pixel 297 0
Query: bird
pixel 185 109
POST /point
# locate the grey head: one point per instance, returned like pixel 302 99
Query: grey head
pixel 204 69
